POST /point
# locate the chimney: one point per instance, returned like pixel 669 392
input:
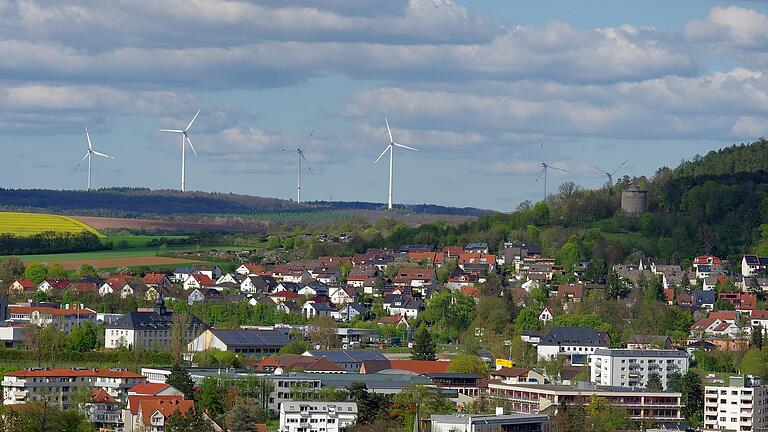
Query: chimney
pixel 499 410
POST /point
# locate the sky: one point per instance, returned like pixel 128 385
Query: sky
pixel 487 90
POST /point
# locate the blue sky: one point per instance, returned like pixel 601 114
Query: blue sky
pixel 474 84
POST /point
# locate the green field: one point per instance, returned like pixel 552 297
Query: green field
pixel 26 224
pixel 119 253
pixel 140 241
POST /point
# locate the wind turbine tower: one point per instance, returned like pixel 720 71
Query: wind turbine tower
pixel 300 156
pixel 610 174
pixel 89 155
pixel 391 149
pixel 184 141
pixel 546 167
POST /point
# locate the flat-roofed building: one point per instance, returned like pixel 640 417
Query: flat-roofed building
pixel 633 368
pixel 739 406
pixel 483 423
pixel 641 404
pixel 317 416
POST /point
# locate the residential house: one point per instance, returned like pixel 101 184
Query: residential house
pixel 230 278
pixel 48 286
pixel 258 284
pixel 461 279
pixel 301 416
pixel 577 343
pixel 349 312
pixel 294 274
pixel 342 295
pixel 477 262
pixel 156 280
pixel 398 304
pixel 197 280
pixel 182 273
pixel 517 375
pixel 752 265
pixel 737 406
pixel 546 316
pixel 349 360
pixel 152 412
pixel 289 307
pixel 415 277
pixel 103 410
pixel 212 271
pixel 287 363
pixel 646 342
pixel 250 269
pixel 22 286
pixel 716 327
pixel 570 293
pixel 741 300
pixel 312 309
pixel 204 295
pixel 515 253
pixel 313 288
pixel 707 265
pixel 704 299
pixel 633 367
pixel 281 296
pixel 481 248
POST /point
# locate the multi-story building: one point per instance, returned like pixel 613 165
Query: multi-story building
pixel 63 318
pixel 577 343
pixel 104 411
pixel 149 329
pixel 316 416
pixel 632 367
pixel 60 385
pixel 742 405
pixel 490 423
pixel 641 404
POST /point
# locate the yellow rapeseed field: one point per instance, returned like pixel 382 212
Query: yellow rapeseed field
pixel 25 224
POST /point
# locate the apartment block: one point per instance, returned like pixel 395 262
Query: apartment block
pixel 633 367
pixel 316 416
pixel 742 405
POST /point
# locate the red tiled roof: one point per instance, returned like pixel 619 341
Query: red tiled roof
pixel 395 319
pixel 723 315
pixel 135 401
pixel 166 407
pixel 704 259
pixel 420 366
pixel 415 273
pixel 83 287
pixel 45 310
pixel 148 389
pixel 511 372
pixel 61 372
pixel 669 294
pixel 477 258
pixel 471 291
pixel 101 396
pixel 153 278
pixel 760 314
pixel 285 294
pixel 26 283
pixel 203 279
pixel 425 257
pixel 58 283
pixel 575 291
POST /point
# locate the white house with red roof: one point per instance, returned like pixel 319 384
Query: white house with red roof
pixel 250 269
pixel 47 286
pixel 22 286
pixel 104 411
pixel 154 389
pixel 64 318
pixel 156 280
pixel 759 318
pixel 415 277
pixel 341 295
pixel 151 412
pixel 197 280
pixel 28 385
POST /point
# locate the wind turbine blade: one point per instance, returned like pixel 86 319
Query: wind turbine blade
pixel 82 160
pixel 191 146
pixel 172 130
pixel 383 153
pixel 88 136
pixel 598 169
pixel 617 169
pixel 193 120
pixel 540 174
pixel 556 168
pixel 102 155
pixel 391 140
pixel 406 147
pixel 301 153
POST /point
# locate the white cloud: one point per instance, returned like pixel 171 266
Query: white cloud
pixel 733 26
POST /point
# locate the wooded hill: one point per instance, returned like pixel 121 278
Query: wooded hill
pixel 142 202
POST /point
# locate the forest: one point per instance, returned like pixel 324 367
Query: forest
pixel 50 242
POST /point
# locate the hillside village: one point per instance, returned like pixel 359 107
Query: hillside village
pixel 425 319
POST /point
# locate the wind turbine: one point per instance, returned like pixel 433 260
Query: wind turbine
pixel 544 172
pixel 300 156
pixel 391 149
pixel 184 141
pixel 89 155
pixel 610 174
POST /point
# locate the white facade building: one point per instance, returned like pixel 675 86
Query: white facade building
pixel 740 406
pixel 631 368
pixel 316 416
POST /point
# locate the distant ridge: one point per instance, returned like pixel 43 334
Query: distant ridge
pixel 140 202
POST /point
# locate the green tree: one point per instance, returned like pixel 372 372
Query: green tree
pixel 87 270
pixel 190 421
pixel 36 272
pixel 604 417
pixel 370 406
pixel 692 390
pixel 756 337
pixel 56 271
pixel 11 268
pixel 468 364
pixel 655 289
pixel 295 347
pixel 597 270
pixel 244 415
pixel 754 363
pixel 423 346
pixel 615 287
pixel 83 337
pixel 422 399
pixel 553 367
pixel 210 397
pixel 180 379
pixel 654 382
pixel 527 319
